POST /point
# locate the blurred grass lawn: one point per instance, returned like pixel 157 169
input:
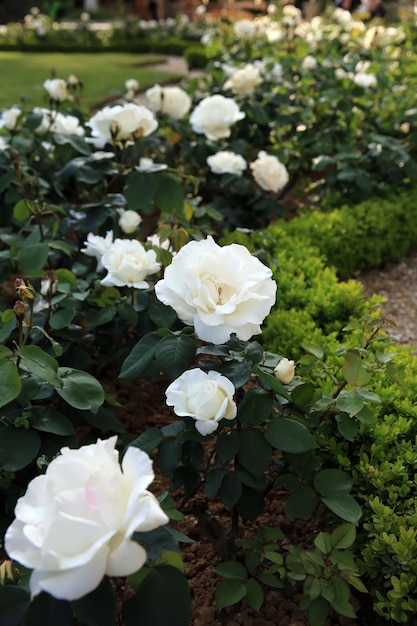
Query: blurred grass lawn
pixel 103 74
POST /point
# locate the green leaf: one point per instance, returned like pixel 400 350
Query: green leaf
pixel 343 536
pixel 227 445
pixel 148 440
pixel 97 608
pixel 229 592
pixel 61 319
pixel 238 373
pixel 346 426
pixel 251 503
pixel 329 481
pixel 232 570
pixel 343 608
pixel 21 210
pixel 350 402
pixel 323 543
pixel 289 436
pixel 231 490
pixel 161 315
pixel 10 383
pixel 318 612
pixel 34 360
pixel 32 257
pixel 213 481
pixel 140 357
pixel 301 503
pixel 254 594
pixel 355 581
pixel 345 506
pixel 47 419
pixel 314 349
pixel 175 354
pixel 105 420
pixel 18 448
pixel 140 192
pixel 169 196
pixel 169 454
pixel 163 598
pixel 81 390
pixel 7 316
pixel 14 602
pixel 273 382
pixel 255 407
pixel 254 452
pixel 302 395
pixel 354 371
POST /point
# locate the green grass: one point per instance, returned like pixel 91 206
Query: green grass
pixel 103 75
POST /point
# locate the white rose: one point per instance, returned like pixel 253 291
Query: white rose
pixel 284 371
pixel 226 162
pixel 269 172
pixel 365 80
pixel 214 116
pixel 9 118
pixel 309 62
pixel 66 125
pixel 122 122
pixel 173 101
pixel 128 220
pixel 274 34
pixel 244 29
pixel 244 81
pixel 56 89
pixel 74 524
pixel 96 246
pixel 128 264
pixel 207 398
pixel 220 290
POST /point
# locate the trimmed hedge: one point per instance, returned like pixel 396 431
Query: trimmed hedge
pixel 313 306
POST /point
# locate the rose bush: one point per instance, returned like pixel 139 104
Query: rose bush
pixel 75 523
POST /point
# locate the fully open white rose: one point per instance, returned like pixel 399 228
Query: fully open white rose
pixel 122 122
pixel 9 117
pixel 128 220
pixel 56 89
pixel 74 524
pixel 206 397
pixel 226 162
pixel 214 116
pixel 244 81
pixel 284 371
pixel 128 264
pixel 269 172
pixel 96 246
pixel 173 101
pixel 220 290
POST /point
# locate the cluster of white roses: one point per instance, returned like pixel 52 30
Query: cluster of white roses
pixel 127 261
pixel 267 169
pixel 121 123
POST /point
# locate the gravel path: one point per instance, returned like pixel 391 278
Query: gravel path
pixel 398 284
